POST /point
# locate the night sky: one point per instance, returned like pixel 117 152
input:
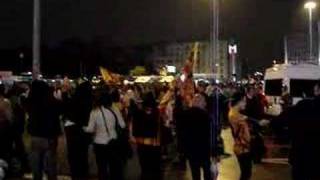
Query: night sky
pixel 259 25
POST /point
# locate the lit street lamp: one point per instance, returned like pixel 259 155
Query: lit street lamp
pixel 310 6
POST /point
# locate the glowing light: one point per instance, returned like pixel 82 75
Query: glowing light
pixel 310 5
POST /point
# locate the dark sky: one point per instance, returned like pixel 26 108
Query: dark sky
pixel 258 24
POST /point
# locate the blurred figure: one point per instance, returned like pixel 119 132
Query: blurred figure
pixel 3 168
pixel 166 115
pixel 124 147
pixel 241 135
pixel 286 99
pixel 304 126
pixel 77 111
pixel 18 126
pixel 218 110
pixel 146 132
pixel 102 124
pixel 179 118
pixel 44 128
pixel 197 138
pixel 5 126
pixel 255 110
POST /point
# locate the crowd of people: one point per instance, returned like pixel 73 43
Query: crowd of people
pixel 151 117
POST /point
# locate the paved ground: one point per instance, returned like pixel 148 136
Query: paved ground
pixel 271 169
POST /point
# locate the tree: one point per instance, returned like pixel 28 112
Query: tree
pixel 138 71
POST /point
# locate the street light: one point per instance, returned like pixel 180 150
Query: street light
pixel 310 6
pixel 36 40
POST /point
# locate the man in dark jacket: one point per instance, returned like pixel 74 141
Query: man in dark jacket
pixel 255 110
pixel 44 128
pixel 77 110
pixel 304 128
pixel 197 138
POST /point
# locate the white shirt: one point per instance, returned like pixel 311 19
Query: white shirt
pixel 97 125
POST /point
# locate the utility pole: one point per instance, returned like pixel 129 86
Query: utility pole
pixel 285 43
pixel 319 43
pixel 36 40
pixel 214 36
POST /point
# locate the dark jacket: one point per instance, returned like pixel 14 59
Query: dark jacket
pixel 5 137
pixel 145 123
pixel 304 125
pixel 80 105
pixel 44 120
pixel 253 108
pixel 197 133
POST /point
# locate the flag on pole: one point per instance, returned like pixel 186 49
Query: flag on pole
pixel 108 76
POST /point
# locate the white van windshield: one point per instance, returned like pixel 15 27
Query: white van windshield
pixel 301 88
pixel 273 87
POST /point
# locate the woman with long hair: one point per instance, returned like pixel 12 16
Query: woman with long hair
pixel 102 124
pixel 77 110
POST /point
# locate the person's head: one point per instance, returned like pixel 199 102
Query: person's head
pixel 2 90
pixel 260 89
pixel 238 100
pixel 115 95
pixel 199 101
pixel 285 89
pixel 251 91
pixel 40 91
pixel 84 90
pixel 149 101
pixel 202 86
pixel 105 100
pixel 316 90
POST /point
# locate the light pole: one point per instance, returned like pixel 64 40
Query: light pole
pixel 36 40
pixel 310 6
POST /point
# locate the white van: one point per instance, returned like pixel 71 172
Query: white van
pixel 299 79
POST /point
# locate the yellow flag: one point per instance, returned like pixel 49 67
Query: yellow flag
pixel 106 75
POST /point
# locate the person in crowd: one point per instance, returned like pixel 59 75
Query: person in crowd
pixel 262 100
pixel 166 115
pixel 57 92
pixel 102 125
pixel 303 120
pixel 125 149
pixel 286 99
pixel 5 126
pixel 218 111
pixel 44 128
pixel 179 117
pixel 202 87
pixel 18 126
pixel 241 133
pixel 77 110
pixel 197 134
pixel 255 109
pixel 145 127
pixel 253 106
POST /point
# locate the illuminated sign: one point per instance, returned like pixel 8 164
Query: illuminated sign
pixel 233 49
